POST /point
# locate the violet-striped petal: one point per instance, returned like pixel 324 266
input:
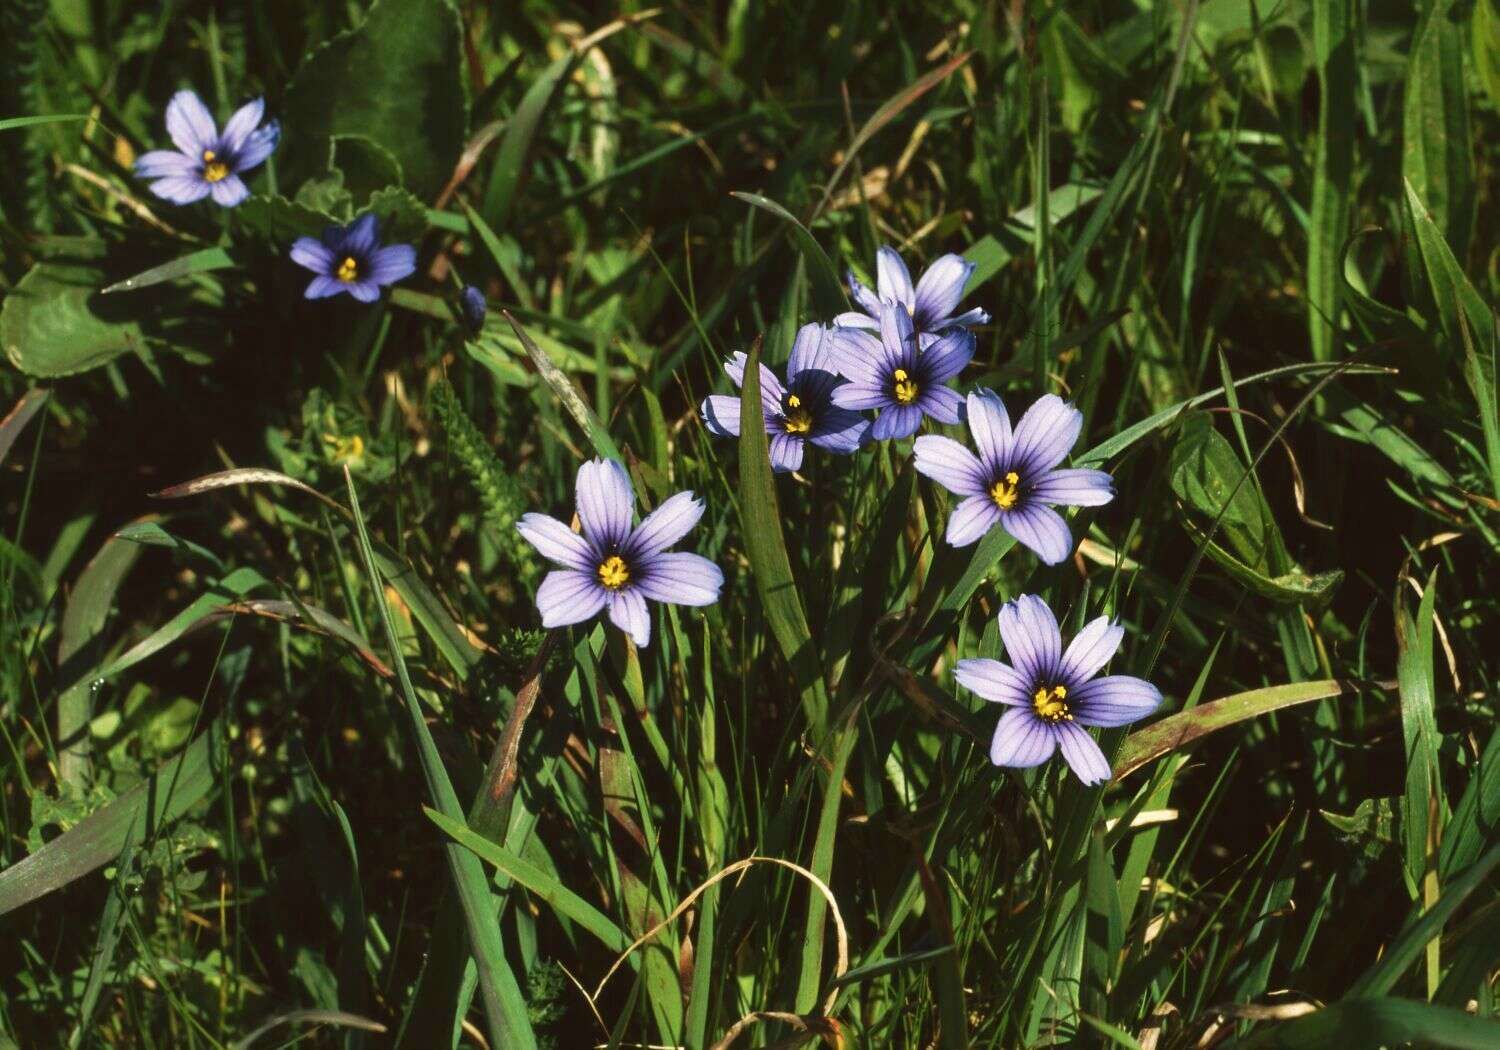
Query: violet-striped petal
pixel 898 339
pixel 861 394
pixel 681 578
pixel 1022 739
pixel 313 254
pixel 628 612
pixel 854 319
pixel 949 464
pixel 990 425
pixel 970 520
pixel 229 191
pixel 1041 530
pixel 947 357
pixel 1032 640
pixel 321 287
pixel 1115 700
pixel 160 163
pixel 258 146
pixel 556 542
pixel 786 453
pixel 605 501
pixel 942 403
pixel 665 525
pixel 241 123
pixel 858 354
pixel 392 263
pixel 1045 433
pixel 808 351
pixel 940 289
pixel 721 414
pixel 995 681
pixel 364 291
pixel 190 124
pixel 1082 753
pixel 900 421
pixel 362 235
pixel 180 189
pixel 839 430
pixel 893 279
pixel 863 297
pixel 1090 649
pixel 567 596
pixel 1074 487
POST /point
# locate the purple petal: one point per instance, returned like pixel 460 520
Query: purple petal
pixel 311 253
pixel 1074 487
pixel 858 354
pixel 940 289
pixel 1022 739
pixel 180 189
pixel 860 394
pixel 605 501
pixel 786 453
pixel 1082 754
pixel 863 298
pixel 995 681
pixel 893 280
pixel 1042 530
pixel 1113 701
pixel 839 430
pixel 364 291
pixel 721 414
pixel 628 612
pixel 258 146
pixel 947 357
pixel 990 425
pixel 1045 433
pixel 898 421
pixel 362 235
pixel 809 350
pixel 556 542
pixel 942 403
pixel 681 578
pixel 1090 649
pixel 165 162
pixel 1032 641
pixel 238 127
pixel 322 286
pixel 898 339
pixel 968 319
pixel 229 191
pixel 734 368
pixel 771 390
pixel 949 464
pixel 390 264
pixel 566 597
pixel 970 520
pixel 665 525
pixel 190 124
pixel 851 319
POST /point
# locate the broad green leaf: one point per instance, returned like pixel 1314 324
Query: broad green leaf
pixel 1423 804
pixel 515 144
pixel 827 294
pixel 1436 160
pixel 16 419
pixel 1477 815
pixel 55 323
pixel 1333 166
pixel 1206 473
pixel 1371 1022
pixel 365 165
pixel 11 123
pixel 1371 827
pixel 567 393
pixel 204 261
pixel 765 545
pixel 98 838
pixel 397 80
pixel 1484 33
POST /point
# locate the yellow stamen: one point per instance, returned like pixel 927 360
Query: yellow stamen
pixel 613 572
pixel 348 269
pixel 213 170
pixel 1006 491
pixel 349 449
pixel 798 419
pixel 905 387
pixel 1051 705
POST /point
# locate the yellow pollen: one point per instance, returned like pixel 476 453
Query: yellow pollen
pixel 213 170
pixel 905 387
pixel 798 420
pixel 793 401
pixel 1051 705
pixel 613 573
pixel 1006 491
pixel 348 269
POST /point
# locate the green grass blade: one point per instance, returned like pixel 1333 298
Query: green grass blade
pixel 1333 172
pixel 827 293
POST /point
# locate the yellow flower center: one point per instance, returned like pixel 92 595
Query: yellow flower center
pixel 1006 491
pixel 905 387
pixel 213 170
pixel 613 573
pixel 348 269
pixel 1051 705
pixel 798 419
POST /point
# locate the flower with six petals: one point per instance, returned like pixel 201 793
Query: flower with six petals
pixel 799 412
pixel 207 161
pixel 902 379
pixel 1051 693
pixel 931 303
pixel 614 565
pixel 351 259
pixel 1015 480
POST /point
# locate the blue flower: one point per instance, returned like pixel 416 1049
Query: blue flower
pixel 931 303
pixel 799 412
pixel 1014 481
pixel 208 162
pixel 614 565
pixel 350 259
pixel 471 301
pixel 894 374
pixel 1052 693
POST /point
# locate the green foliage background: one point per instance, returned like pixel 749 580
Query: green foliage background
pixel 266 626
